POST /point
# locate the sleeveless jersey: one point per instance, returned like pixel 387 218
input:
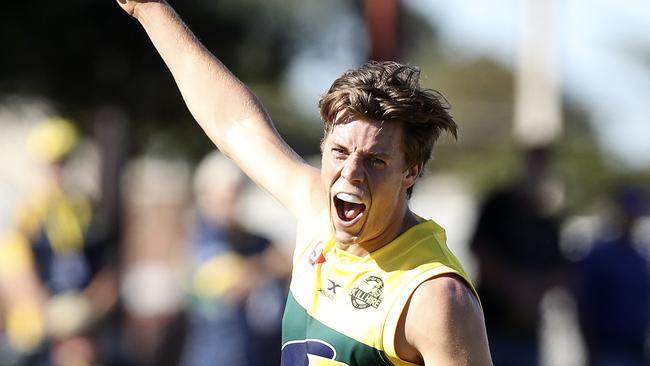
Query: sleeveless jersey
pixel 343 309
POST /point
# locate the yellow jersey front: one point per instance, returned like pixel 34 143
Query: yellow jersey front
pixel 343 309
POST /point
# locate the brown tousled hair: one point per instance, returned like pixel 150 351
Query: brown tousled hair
pixel 388 91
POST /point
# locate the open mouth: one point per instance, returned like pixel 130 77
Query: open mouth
pixel 348 206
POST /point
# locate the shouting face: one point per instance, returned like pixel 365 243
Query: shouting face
pixel 366 177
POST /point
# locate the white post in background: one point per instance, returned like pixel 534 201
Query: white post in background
pixel 538 122
pixel 537 117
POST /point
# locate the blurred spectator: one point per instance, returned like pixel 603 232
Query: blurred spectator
pixel 156 200
pixel 516 244
pixel 57 278
pixel 239 282
pixel 613 288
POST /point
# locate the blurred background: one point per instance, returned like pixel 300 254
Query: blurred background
pixel 115 251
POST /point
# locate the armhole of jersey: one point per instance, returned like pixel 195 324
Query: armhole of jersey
pixel 394 314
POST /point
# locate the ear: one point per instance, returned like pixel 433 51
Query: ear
pixel 411 175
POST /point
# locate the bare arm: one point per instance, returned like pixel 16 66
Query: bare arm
pixel 443 325
pixel 225 108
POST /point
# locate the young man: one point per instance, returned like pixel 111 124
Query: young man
pixel 372 282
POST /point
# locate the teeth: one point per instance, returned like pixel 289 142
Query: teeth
pixel 349 198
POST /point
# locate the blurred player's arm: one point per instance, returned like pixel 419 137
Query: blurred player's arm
pixel 229 113
pixel 22 299
pixel 443 325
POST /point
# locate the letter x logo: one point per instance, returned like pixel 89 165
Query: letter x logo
pixel 333 287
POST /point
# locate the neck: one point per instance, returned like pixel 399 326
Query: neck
pixel 364 248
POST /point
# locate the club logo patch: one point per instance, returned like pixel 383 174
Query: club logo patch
pixel 368 293
pixel 316 256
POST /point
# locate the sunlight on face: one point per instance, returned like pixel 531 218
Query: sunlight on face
pixel 366 178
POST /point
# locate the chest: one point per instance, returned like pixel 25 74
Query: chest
pixel 339 303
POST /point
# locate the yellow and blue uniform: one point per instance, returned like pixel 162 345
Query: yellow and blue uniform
pixel 344 310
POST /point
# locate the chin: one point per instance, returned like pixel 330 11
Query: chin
pixel 345 238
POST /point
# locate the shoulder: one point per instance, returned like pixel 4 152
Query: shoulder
pixel 312 225
pixel 444 323
pixel 315 204
pixel 447 287
pixel 445 298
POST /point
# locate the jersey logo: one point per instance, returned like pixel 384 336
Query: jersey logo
pixel 368 293
pixel 329 292
pixel 309 352
pixel 333 287
pixel 316 256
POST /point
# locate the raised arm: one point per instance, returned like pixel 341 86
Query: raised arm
pixel 229 113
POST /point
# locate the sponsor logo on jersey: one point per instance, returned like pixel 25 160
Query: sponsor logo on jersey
pixel 368 293
pixel 309 352
pixel 329 291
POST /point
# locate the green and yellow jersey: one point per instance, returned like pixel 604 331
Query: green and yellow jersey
pixel 343 309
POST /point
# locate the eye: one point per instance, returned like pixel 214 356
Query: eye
pixel 339 153
pixel 376 162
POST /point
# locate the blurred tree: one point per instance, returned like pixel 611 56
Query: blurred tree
pixel 82 55
pixel 85 55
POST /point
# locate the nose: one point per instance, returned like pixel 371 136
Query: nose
pixel 353 170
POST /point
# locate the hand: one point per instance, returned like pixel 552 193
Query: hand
pixel 68 314
pixel 130 5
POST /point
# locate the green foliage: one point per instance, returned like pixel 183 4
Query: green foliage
pixel 83 55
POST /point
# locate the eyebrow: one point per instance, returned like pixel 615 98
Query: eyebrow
pixel 383 154
pixel 379 154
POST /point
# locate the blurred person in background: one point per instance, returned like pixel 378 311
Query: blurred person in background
pixel 57 279
pixel 372 282
pixel 239 281
pixel 516 244
pixel 156 193
pixel 612 287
